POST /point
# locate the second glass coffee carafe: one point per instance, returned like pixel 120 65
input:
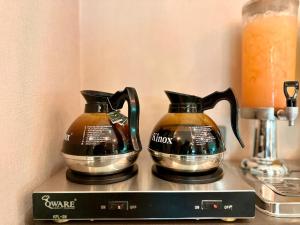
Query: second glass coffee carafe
pixel 186 139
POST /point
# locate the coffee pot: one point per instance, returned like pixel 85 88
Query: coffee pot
pixel 186 139
pixel 103 141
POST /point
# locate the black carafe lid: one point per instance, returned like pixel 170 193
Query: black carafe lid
pixel 95 96
pixel 183 103
pixel 96 101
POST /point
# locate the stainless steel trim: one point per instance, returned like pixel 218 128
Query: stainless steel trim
pixel 145 181
pixel 150 191
pixel 289 113
pixel 268 168
pixel 285 186
pixel 100 165
pixel 264 160
pixel 276 214
pixel 265 140
pixel 187 163
pixel 271 201
pixel 258 113
pixel 278 209
pixel 98 158
pixel 155 218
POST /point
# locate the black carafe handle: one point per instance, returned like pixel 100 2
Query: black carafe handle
pixel 117 101
pixel 211 100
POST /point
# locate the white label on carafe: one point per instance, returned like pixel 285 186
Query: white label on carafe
pixel 202 135
pixel 94 135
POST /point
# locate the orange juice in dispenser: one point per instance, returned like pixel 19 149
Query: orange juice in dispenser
pixel 269 40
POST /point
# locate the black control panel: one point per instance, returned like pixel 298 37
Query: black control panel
pixel 143 205
pixel 211 204
pixel 116 205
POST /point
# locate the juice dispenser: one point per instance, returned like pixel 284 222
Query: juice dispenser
pixel 269 89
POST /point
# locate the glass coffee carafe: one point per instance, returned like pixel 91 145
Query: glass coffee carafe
pixel 186 139
pixel 102 140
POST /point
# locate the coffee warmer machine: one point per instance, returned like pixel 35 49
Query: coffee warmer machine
pixel 269 93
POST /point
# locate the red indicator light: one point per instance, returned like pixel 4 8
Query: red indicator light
pixel 215 206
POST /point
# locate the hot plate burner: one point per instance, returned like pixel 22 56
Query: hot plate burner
pixel 188 178
pixel 82 178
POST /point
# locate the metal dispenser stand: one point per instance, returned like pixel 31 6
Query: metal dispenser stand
pixel 277 188
pixel 264 161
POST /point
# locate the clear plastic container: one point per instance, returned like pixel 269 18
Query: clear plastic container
pixel 269 43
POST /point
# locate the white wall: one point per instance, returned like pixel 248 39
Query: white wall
pixel 39 79
pixel 190 46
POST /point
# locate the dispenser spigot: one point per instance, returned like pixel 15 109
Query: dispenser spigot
pixel 290 113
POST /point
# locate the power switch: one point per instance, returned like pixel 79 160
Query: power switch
pixel 211 204
pixel 118 205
